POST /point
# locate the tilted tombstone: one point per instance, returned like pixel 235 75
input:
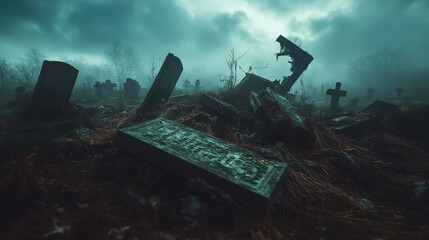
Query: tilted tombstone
pixel 131 89
pixel 237 175
pixel 222 108
pixel 164 83
pixel 54 86
pixel 253 82
pixel 335 96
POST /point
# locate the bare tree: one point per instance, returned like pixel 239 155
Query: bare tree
pixel 232 63
pixel 152 72
pixel 28 68
pixel 124 59
pixel 6 76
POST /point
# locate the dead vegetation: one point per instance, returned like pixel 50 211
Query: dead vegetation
pixel 79 186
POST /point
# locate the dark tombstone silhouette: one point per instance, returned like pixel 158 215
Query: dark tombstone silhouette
pixel 54 86
pixel 99 88
pixel 369 94
pixel 335 96
pixel 163 85
pixel 108 87
pixel 300 61
pixel 252 82
pixel 131 89
pixel 399 92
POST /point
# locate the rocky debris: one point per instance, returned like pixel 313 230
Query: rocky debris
pixel 179 98
pixel 352 125
pixel 286 123
pixel 192 208
pixel 250 139
pixel 222 108
pixel 380 107
pixel 342 161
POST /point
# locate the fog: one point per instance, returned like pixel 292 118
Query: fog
pixel 363 44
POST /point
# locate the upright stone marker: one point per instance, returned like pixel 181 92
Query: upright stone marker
pixel 54 86
pixel 243 176
pixel 164 83
pixel 335 96
pixel 131 89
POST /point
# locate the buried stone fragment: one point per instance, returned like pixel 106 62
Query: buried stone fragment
pixel 225 171
pixel 224 109
pixel 285 122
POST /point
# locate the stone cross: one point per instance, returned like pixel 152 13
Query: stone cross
pixel 335 96
pixel 108 86
pixel 98 86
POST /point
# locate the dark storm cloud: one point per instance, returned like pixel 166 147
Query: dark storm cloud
pixel 93 25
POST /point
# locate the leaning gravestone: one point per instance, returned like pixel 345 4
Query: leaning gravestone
pixel 164 83
pixel 54 86
pixel 238 174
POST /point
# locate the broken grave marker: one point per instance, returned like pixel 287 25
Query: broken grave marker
pixel 54 86
pixel 300 61
pixel 224 109
pixel 164 83
pixel 249 180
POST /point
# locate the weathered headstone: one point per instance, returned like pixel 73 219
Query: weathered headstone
pixel 235 173
pixel 99 88
pixel 282 116
pixel 252 82
pixel 54 86
pixel 164 83
pixel 222 108
pixel 335 96
pixel 300 61
pixel 131 89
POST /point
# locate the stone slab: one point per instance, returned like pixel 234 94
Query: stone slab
pixel 253 82
pixel 55 85
pixel 250 180
pixel 164 83
pixel 222 108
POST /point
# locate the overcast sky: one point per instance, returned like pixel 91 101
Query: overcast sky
pixel 201 33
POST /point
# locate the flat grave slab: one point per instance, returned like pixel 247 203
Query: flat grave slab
pixel 251 181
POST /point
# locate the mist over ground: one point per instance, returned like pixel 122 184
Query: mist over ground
pixel 363 44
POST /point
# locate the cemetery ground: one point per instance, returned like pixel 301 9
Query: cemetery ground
pixel 64 177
